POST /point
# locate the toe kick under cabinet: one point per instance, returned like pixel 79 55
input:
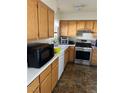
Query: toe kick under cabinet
pixel 46 81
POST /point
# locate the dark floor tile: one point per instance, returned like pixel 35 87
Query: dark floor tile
pixel 77 79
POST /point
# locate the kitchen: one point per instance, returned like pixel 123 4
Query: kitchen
pixel 62 46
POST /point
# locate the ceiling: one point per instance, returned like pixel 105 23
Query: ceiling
pixel 70 6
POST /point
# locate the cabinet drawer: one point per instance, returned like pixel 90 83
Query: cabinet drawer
pixel 44 74
pixel 33 86
pixel 55 63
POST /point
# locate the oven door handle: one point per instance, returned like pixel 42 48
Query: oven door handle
pixel 84 49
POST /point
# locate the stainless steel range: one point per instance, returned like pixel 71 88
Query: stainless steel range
pixel 83 51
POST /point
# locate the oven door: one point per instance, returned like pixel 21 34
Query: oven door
pixel 83 55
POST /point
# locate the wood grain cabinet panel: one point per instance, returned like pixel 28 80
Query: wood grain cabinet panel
pixel 94 56
pixel 45 86
pixel 32 20
pixel 66 57
pixel 43 20
pixel 45 73
pixel 72 28
pixel 37 90
pixel 63 28
pixel 54 76
pixel 54 73
pixel 95 29
pixel 71 53
pixel 95 26
pixel 55 63
pixel 51 22
pixel 80 25
pixel 89 25
pixel 34 86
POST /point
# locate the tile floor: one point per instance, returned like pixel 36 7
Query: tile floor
pixel 77 79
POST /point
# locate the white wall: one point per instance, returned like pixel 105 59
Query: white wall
pixel 79 16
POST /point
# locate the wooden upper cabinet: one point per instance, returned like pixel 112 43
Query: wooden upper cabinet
pixel 51 22
pixel 43 20
pixel 95 29
pixel 63 28
pixel 95 26
pixel 72 28
pixel 89 25
pixel 32 20
pixel 80 25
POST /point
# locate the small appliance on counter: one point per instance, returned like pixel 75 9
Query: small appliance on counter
pixel 64 40
pixel 39 53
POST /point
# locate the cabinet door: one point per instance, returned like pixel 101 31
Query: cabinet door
pixel 37 90
pixel 95 26
pixel 95 29
pixel 32 20
pixel 89 25
pixel 71 53
pixel 63 28
pixel 66 56
pixel 46 85
pixel 72 28
pixel 51 22
pixel 43 20
pixel 80 25
pixel 54 76
pixel 34 86
pixel 94 57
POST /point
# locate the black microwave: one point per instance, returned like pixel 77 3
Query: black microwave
pixel 39 54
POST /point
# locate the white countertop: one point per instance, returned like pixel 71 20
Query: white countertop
pixel 32 73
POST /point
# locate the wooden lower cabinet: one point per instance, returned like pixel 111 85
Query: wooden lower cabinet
pixel 94 56
pixel 37 90
pixel 54 73
pixel 54 76
pixel 46 81
pixel 71 53
pixel 66 57
pixel 45 86
pixel 34 86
